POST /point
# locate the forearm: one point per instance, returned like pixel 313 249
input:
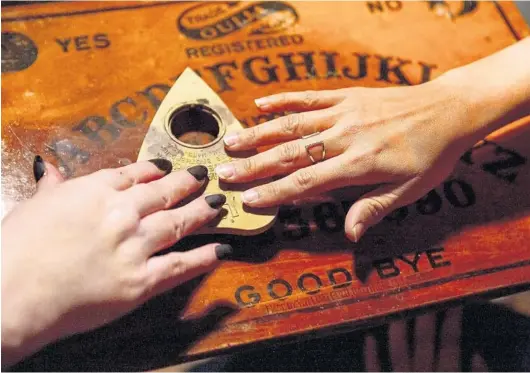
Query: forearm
pixel 495 89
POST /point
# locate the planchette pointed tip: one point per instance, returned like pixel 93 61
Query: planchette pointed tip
pixel 190 75
pixel 189 71
pixel 190 86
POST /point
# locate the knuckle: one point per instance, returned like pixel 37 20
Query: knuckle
pixel 178 266
pixel 288 153
pixel 352 126
pixel 127 178
pixel 165 201
pixel 133 287
pixel 272 190
pixel 304 179
pixel 179 227
pixel 131 180
pixel 252 134
pixel 249 166
pixel 150 192
pixel 172 195
pixel 309 99
pixel 123 217
pixel 375 207
pixel 291 124
pixel 283 98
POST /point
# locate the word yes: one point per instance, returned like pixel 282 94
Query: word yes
pixel 84 42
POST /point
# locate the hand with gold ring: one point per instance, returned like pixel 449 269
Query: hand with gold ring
pixel 404 140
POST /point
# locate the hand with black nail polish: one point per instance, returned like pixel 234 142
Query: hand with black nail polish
pixel 89 244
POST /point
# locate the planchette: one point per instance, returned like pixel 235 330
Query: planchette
pixel 188 129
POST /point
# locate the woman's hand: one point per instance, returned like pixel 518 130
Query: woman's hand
pixel 404 140
pixel 80 253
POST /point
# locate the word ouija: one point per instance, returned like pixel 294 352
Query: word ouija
pixel 339 277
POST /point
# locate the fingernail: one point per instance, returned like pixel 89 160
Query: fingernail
pixel 250 196
pixel 261 102
pixel 215 200
pixel 198 172
pixel 162 164
pixel 225 171
pixel 358 231
pixel 224 252
pixel 231 139
pixel 39 168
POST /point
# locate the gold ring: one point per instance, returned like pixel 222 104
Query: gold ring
pixel 308 148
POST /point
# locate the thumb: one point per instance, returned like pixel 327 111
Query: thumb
pixel 46 174
pixel 372 207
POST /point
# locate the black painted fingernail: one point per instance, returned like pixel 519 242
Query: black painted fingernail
pixel 39 168
pixel 224 252
pixel 198 172
pixel 215 200
pixel 162 164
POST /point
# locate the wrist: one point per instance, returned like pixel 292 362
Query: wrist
pixel 491 92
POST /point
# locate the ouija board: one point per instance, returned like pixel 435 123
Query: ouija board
pixel 82 81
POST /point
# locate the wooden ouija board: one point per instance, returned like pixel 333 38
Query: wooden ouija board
pixel 81 83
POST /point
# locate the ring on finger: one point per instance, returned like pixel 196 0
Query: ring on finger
pixel 318 144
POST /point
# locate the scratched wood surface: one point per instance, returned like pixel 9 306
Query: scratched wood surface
pixel 82 81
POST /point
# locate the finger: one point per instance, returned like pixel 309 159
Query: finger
pixel 289 127
pixel 46 175
pixel 136 173
pixel 315 179
pixel 311 200
pixel 166 192
pixel 348 193
pixel 282 159
pixel 301 101
pixel 167 271
pixel 164 228
pixel 372 207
